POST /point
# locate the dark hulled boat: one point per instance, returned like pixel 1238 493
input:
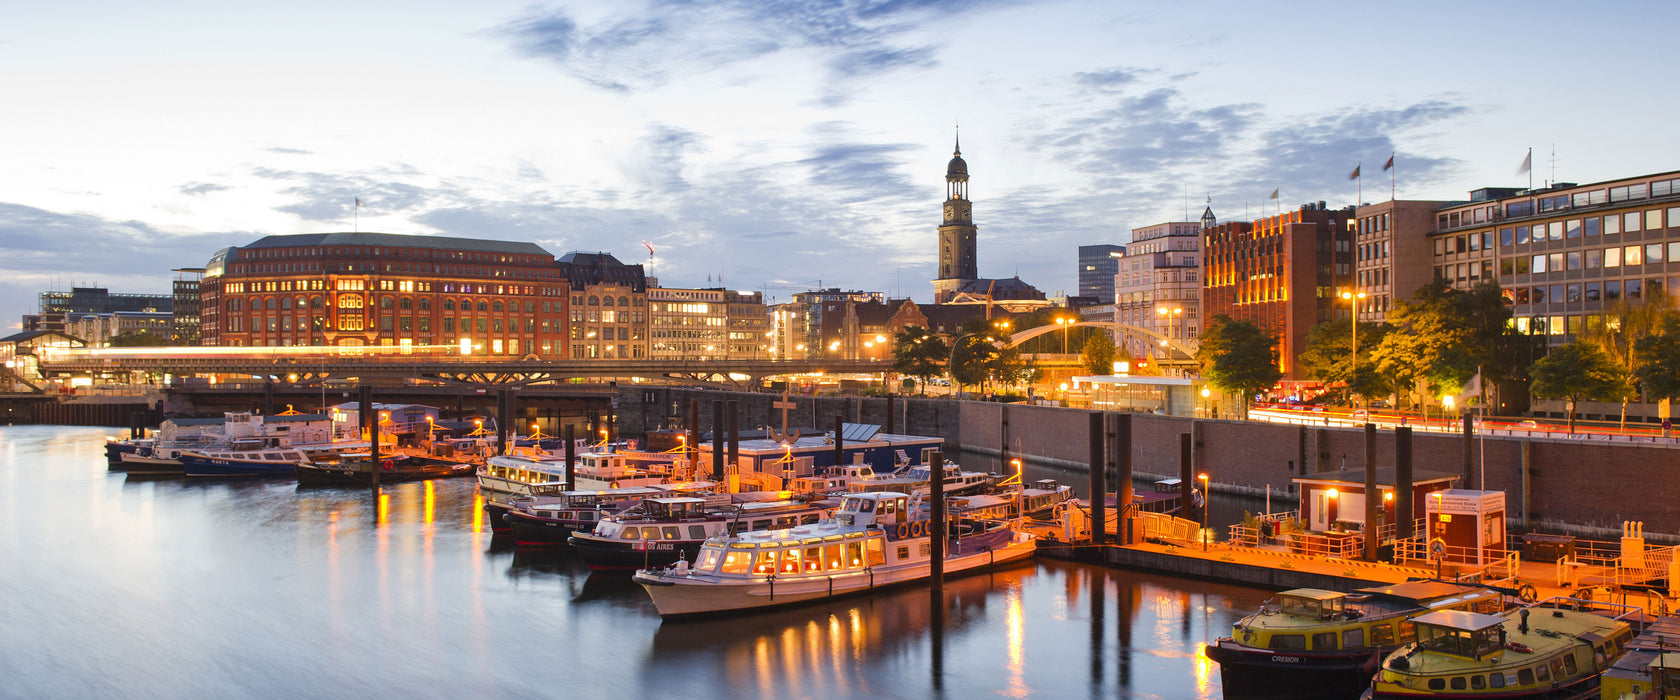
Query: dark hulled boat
pixel 357 470
pixel 659 531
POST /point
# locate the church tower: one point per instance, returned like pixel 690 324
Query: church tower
pixel 957 259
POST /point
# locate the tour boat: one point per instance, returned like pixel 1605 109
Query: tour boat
pixel 660 531
pixel 1531 652
pixel 272 462
pixel 115 449
pixel 1311 643
pixel 1040 500
pixel 872 542
pixel 357 469
pixel 915 479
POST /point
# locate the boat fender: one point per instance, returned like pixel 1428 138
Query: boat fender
pixel 903 531
pixel 1519 647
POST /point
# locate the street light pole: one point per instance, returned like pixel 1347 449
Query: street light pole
pixel 1353 320
pixel 1206 501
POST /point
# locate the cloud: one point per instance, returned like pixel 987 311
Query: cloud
pixel 667 38
pixel 327 197
pixel 1109 79
pixel 851 171
pixel 290 151
pixel 201 188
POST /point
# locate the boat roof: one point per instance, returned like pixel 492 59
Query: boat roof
pixel 877 495
pixel 1422 590
pixel 1459 619
pixel 677 499
pixel 1314 594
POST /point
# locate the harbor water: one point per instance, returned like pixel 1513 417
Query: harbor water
pixel 197 588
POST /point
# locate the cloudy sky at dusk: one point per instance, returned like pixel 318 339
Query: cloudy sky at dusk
pixel 780 142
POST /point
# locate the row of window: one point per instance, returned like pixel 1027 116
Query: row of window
pixel 1608 290
pixel 1628 222
pixel 1592 259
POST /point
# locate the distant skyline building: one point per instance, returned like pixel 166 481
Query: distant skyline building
pixel 1097 266
pixel 609 305
pixel 185 315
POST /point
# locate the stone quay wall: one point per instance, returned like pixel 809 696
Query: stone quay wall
pixel 1577 485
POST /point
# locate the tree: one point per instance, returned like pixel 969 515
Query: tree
pixel 1009 366
pixel 1238 358
pixel 1574 372
pixel 918 353
pixel 1098 355
pixel 1623 325
pixel 1658 356
pixel 973 353
pixel 1442 336
pixel 1328 357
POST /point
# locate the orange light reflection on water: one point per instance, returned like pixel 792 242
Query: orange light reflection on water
pixel 1015 628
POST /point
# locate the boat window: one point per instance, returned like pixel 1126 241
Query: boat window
pixel 673 532
pixel 737 562
pixel 1457 683
pixel 759 525
pixel 813 559
pixel 708 559
pixel 1324 640
pixel 650 532
pixel 1478 682
pixel 1496 680
pixel 1437 684
pixel 1382 635
pixel 1525 677
pixel 1557 668
pixel 831 556
pixel 697 532
pixel 854 555
pixel 766 562
pixel 1288 641
pixel 587 515
pixel 810 519
pixel 1353 638
pixel 790 561
pixel 927 549
pixel 630 533
pixel 1541 674
pixel 877 556
pixel 1569 664
pixel 1408 632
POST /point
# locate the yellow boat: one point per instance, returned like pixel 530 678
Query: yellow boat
pixel 1533 652
pixel 1650 670
pixel 1314 643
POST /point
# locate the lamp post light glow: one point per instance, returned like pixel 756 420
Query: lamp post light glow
pixel 1353 320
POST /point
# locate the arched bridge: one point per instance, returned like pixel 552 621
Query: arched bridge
pixel 1177 354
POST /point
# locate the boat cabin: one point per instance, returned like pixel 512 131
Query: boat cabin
pixel 1460 633
pixel 882 508
pixel 1312 603
pixel 832 553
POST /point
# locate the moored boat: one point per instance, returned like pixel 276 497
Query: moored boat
pixel 1311 643
pixel 1532 652
pixel 358 469
pixel 872 542
pixel 265 463
pixel 660 531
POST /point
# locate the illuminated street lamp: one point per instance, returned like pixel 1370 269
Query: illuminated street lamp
pixel 1064 322
pixel 1353 317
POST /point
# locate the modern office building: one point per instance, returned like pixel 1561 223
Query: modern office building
pixel 184 320
pixel 1281 273
pixel 707 324
pixel 358 289
pixel 1392 254
pixel 814 304
pixel 1097 267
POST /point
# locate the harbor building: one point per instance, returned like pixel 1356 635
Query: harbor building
pixel 385 289
pixel 707 324
pixel 1281 273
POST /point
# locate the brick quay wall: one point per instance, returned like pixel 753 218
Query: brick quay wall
pixel 1572 484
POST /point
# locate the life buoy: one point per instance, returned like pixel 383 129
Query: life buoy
pixel 387 464
pixel 1519 647
pixel 903 531
pixel 916 529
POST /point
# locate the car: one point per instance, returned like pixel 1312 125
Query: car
pixel 1531 425
pixel 1360 414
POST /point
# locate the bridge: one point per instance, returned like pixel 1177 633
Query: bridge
pixel 476 370
pixel 1172 354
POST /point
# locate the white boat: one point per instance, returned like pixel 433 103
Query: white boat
pixel 1040 500
pixel 872 541
pixel 915 478
pixel 503 478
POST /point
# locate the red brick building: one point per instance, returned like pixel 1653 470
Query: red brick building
pixel 1282 273
pixel 350 289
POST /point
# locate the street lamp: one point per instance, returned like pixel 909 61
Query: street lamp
pixel 1203 477
pixel 1168 313
pixel 1064 322
pixel 1353 318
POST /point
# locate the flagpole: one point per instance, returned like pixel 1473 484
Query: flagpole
pixel 1481 429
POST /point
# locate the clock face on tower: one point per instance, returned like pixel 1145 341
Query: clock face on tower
pixel 950 212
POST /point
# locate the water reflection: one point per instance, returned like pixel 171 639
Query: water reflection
pixel 213 588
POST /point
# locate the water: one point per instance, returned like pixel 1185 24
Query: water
pixel 214 589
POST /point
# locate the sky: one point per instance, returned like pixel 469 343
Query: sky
pixel 778 145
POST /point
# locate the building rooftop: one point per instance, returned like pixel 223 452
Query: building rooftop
pixel 397 240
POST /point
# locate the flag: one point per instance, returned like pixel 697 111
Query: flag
pixel 1390 164
pixel 1355 174
pixel 1274 194
pixel 358 201
pixel 1472 388
pixel 1527 164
